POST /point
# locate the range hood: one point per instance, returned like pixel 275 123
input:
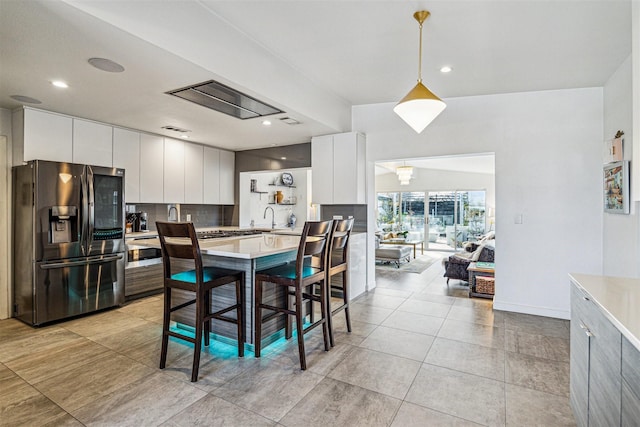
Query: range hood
pixel 221 98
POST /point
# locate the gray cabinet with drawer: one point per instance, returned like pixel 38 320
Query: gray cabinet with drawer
pixel 595 363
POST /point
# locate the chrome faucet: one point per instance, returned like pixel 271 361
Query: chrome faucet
pixel 273 216
pixel 173 217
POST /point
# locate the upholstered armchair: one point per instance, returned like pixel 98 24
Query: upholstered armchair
pixel 455 267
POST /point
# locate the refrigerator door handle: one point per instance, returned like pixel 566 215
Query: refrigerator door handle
pixel 91 207
pixel 84 214
pixel 98 260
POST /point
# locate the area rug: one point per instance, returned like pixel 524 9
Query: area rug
pixel 417 265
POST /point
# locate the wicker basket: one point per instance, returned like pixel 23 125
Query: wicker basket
pixel 485 285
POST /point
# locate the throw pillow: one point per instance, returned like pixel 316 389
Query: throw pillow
pixel 476 254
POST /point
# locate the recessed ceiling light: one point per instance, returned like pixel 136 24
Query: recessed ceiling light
pixel 59 83
pixel 266 122
pixel 446 69
pixel 106 65
pixel 184 136
pixel 283 158
pixel 25 99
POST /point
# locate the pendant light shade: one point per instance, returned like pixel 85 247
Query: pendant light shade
pixel 420 106
pixel 404 174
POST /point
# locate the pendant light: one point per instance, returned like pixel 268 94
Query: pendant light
pixel 420 106
pixel 404 174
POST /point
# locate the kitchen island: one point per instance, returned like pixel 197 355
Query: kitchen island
pixel 246 253
pixel 605 350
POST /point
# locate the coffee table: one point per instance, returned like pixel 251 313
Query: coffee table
pixel 413 243
pixel 479 269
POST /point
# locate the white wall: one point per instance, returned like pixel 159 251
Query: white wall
pixel 253 205
pixel 548 148
pixel 620 259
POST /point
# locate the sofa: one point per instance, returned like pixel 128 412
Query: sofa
pixel 392 253
pixel 455 267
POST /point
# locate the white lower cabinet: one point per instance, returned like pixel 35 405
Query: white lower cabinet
pixel 357 264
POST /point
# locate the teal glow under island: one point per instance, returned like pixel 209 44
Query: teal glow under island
pixel 246 253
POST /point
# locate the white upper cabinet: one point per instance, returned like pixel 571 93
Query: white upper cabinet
pixel 211 176
pixel 151 168
pixel 92 143
pixel 338 165
pixel 227 175
pixel 193 173
pixel 41 135
pixel 219 176
pixel 173 171
pixel 322 170
pixel 126 155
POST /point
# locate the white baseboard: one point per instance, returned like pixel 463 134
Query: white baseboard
pixel 530 309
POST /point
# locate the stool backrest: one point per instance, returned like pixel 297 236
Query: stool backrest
pixel 339 238
pixel 313 244
pixel 181 248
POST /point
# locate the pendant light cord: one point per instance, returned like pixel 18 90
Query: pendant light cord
pixel 420 57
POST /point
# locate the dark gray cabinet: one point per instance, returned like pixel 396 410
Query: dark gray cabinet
pixel 596 356
pixel 143 280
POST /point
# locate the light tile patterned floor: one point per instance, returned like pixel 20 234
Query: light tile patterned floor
pixel 421 354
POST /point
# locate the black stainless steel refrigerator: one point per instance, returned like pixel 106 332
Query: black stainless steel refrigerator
pixel 68 240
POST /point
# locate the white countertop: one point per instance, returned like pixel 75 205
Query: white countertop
pixel 246 247
pixel 619 299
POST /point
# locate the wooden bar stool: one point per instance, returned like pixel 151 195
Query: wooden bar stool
pixel 338 263
pixel 308 269
pixel 179 242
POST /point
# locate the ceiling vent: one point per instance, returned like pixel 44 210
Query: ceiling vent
pixel 224 99
pixel 175 129
pixel 289 121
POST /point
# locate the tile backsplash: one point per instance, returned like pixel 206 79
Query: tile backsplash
pixel 201 215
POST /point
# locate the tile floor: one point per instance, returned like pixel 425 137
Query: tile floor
pixel 421 354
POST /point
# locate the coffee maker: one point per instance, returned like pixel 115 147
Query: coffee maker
pixel 142 221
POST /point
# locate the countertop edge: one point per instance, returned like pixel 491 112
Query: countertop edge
pixel 579 279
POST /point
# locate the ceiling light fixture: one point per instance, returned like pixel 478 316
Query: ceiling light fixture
pixel 420 106
pixel 60 84
pixel 446 69
pixel 404 174
pixel 266 122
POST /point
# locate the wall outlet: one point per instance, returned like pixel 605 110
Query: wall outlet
pixel 188 217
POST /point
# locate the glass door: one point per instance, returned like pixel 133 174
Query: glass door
pixel 455 217
pixel 402 215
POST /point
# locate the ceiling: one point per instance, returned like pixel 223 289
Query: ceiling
pixel 481 163
pixel 311 59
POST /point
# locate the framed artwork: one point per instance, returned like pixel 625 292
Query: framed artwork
pixel 616 187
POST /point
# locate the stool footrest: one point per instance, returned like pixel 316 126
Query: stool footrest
pixel 183 305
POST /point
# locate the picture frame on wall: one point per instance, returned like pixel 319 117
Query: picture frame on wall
pixel 616 187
